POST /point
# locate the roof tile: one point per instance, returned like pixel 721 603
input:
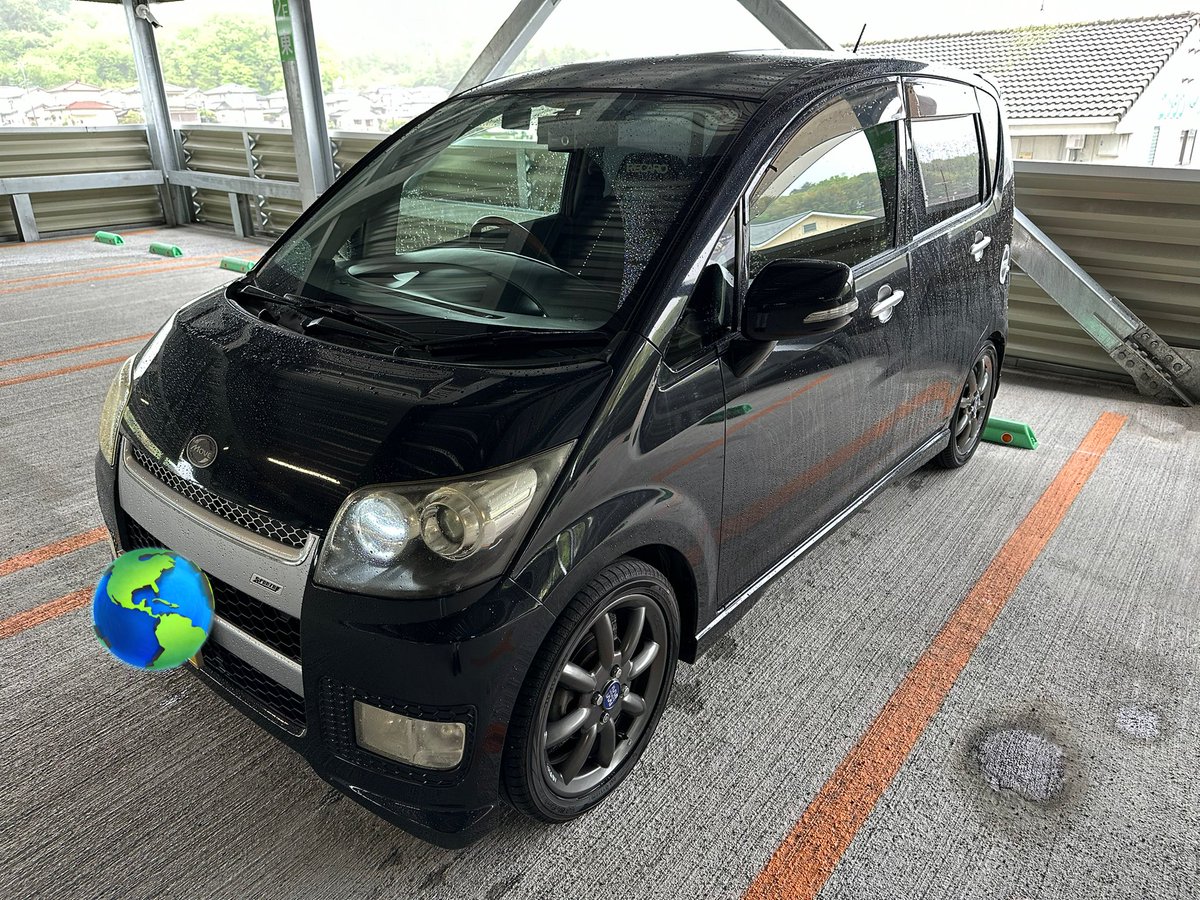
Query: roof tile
pixel 1090 69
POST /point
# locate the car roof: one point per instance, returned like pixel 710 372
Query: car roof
pixel 737 74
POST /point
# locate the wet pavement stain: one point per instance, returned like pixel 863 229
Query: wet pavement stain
pixel 1024 762
pixel 1138 723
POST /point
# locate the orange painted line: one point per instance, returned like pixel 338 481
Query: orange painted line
pixel 31 280
pixel 741 423
pixel 52 551
pixel 194 262
pixel 804 861
pixel 37 376
pixel 142 265
pixel 44 613
pixel 99 345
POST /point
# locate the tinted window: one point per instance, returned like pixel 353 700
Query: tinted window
pixel 710 308
pixel 827 198
pixel 947 151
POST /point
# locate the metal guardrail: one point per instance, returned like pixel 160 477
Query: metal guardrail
pixel 1135 231
pixel 72 179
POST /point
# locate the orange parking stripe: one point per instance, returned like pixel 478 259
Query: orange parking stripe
pixel 99 345
pixel 804 861
pixel 37 376
pixel 44 613
pixel 51 551
pixel 195 262
pixel 30 281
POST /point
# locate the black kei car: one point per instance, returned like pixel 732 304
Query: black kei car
pixel 541 394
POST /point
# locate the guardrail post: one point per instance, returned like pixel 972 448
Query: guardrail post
pixel 164 150
pixel 22 212
pixel 306 101
pixel 239 208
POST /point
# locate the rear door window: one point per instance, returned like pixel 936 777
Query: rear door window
pixel 944 127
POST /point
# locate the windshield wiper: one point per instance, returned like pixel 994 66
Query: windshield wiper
pixel 320 308
pixel 514 335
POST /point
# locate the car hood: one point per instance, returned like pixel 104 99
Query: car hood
pixel 301 423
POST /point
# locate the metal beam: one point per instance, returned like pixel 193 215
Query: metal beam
pixel 507 43
pixel 305 97
pixel 164 149
pixel 39 184
pixel 236 184
pixel 787 27
pixel 1156 368
pixel 22 213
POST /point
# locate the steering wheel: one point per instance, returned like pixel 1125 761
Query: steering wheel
pixel 529 239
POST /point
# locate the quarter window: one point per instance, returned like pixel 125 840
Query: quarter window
pixel 947 151
pixel 827 196
pixel 710 308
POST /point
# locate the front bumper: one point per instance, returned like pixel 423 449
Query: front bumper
pixel 296 658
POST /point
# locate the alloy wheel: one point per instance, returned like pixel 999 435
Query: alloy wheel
pixel 973 404
pixel 605 694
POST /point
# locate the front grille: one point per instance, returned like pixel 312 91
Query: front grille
pixel 239 515
pixel 253 686
pixel 337 723
pixel 272 626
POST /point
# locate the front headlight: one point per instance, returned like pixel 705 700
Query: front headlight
pixel 114 405
pixel 427 538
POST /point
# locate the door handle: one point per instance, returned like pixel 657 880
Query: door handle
pixel 886 302
pixel 982 242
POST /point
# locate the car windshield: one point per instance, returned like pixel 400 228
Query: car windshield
pixel 525 212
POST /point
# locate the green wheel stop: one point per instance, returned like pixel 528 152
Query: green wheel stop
pixel 233 264
pixel 165 249
pixel 109 237
pixel 1014 434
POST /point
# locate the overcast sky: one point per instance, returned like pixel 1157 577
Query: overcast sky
pixel 638 27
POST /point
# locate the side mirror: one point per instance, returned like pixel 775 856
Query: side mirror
pixel 797 297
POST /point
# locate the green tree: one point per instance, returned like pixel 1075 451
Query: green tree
pixel 223 49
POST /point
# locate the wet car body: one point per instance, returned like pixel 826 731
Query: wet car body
pixel 718 471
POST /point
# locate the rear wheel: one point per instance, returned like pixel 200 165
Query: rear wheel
pixel 971 412
pixel 595 693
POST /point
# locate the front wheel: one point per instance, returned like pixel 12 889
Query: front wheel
pixel 595 693
pixel 972 410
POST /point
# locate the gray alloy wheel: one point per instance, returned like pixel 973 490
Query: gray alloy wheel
pixel 972 409
pixel 595 693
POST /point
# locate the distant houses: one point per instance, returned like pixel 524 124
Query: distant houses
pixel 78 103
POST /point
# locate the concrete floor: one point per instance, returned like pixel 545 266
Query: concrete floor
pixel 1062 764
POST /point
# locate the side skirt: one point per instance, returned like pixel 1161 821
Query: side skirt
pixel 741 604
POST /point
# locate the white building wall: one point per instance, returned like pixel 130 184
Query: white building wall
pixel 1171 104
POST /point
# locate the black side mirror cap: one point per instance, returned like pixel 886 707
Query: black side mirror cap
pixel 798 297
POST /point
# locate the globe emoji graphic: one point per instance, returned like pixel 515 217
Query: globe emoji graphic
pixel 152 608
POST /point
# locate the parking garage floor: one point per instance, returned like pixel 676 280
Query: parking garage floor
pixel 983 686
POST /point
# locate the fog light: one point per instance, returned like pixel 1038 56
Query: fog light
pixel 416 742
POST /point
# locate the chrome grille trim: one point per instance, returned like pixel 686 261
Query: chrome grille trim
pixel 239 515
pixel 217 546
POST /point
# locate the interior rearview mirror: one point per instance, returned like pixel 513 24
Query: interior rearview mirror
pixel 797 297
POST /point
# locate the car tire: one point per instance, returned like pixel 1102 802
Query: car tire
pixel 578 728
pixel 972 409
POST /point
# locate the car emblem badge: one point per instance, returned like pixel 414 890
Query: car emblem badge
pixel 201 451
pixel 263 582
pixel 611 693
